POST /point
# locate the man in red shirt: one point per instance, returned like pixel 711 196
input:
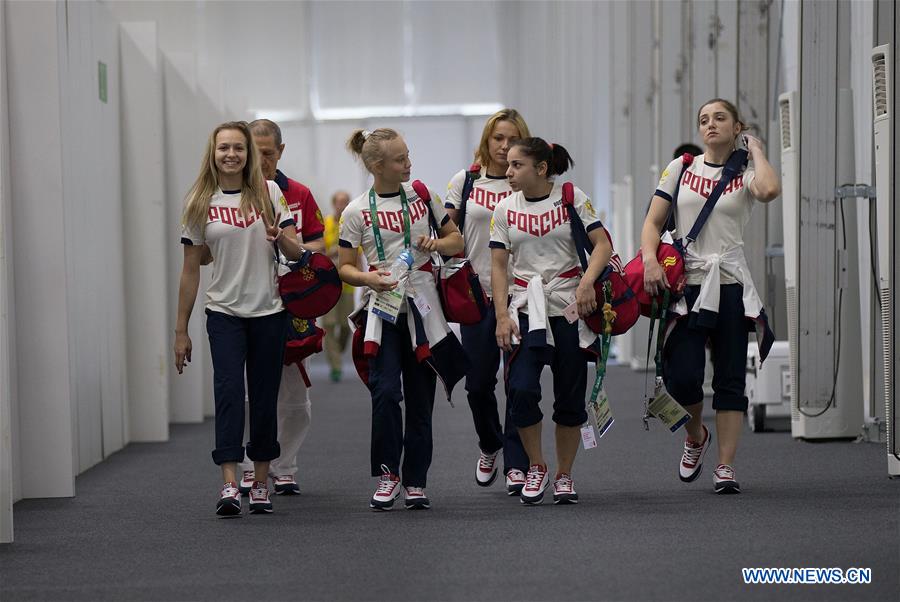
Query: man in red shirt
pixel 294 410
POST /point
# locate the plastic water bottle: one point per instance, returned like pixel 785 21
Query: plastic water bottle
pixel 401 265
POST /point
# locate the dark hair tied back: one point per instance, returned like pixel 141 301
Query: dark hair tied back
pixel 555 156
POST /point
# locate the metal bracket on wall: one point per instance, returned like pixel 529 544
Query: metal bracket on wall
pixel 855 191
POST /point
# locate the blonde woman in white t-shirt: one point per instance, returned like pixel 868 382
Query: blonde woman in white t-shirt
pixel 232 210
pixel 725 314
pixel 489 186
pixel 398 352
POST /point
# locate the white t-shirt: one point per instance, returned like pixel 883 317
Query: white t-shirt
pixel 356 224
pixel 538 235
pixel 486 193
pixel 243 281
pixel 724 229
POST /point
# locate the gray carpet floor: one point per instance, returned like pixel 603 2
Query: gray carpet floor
pixel 142 526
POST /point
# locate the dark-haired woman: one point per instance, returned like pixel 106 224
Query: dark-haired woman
pixel 387 220
pixel 720 303
pixel 489 188
pixel 531 227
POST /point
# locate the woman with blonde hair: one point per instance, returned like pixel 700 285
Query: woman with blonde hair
pixel 471 197
pixel 720 303
pixel 241 217
pixel 402 341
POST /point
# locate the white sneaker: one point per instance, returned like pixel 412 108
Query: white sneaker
pixel 692 458
pixel 564 490
pixel 247 479
pixel 285 484
pixel 416 499
pixel 486 469
pixel 515 481
pixel 259 498
pixel 536 482
pixel 387 491
pixel 229 503
pixel 723 480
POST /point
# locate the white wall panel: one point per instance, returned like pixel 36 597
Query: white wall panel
pixel 437 147
pixel 144 226
pixel 346 77
pixel 334 166
pixel 184 155
pixel 93 231
pixel 44 401
pixel 726 45
pixel 467 73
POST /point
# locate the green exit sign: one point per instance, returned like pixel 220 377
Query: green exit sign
pixel 101 73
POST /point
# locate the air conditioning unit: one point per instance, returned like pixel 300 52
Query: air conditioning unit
pixel 882 89
pixel 789 119
pixel 841 417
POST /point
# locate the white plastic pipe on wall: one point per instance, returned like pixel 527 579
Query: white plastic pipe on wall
pixel 7 372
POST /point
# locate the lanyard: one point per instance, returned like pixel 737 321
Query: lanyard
pixel 660 341
pixel 608 317
pixel 379 245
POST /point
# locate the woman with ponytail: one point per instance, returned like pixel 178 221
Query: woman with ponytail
pixel 484 185
pixel 721 311
pixel 241 218
pixel 530 230
pixel 398 349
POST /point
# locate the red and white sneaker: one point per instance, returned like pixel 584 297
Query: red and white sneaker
pixel 564 490
pixel 416 499
pixel 723 480
pixel 692 458
pixel 229 503
pixel 285 484
pixel 259 498
pixel 486 469
pixel 247 478
pixel 515 481
pixel 536 482
pixel 387 491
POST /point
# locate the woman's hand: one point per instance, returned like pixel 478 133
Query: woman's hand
pixel 182 350
pixel 378 281
pixel 427 244
pixel 506 330
pixel 586 299
pixel 754 144
pixel 655 281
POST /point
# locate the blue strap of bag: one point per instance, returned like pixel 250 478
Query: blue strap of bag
pixel 583 244
pixel 468 186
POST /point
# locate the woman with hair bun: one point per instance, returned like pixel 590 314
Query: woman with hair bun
pixel 720 303
pixel 530 230
pixel 398 352
pixel 486 184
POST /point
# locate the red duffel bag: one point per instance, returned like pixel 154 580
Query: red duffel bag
pixel 672 264
pixel 312 287
pixel 462 296
pixel 623 301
